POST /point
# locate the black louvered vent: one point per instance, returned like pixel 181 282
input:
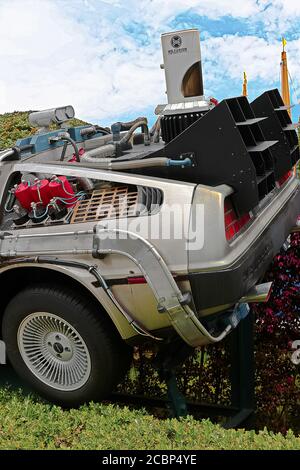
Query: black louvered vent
pixel 259 149
pixel 173 125
pixel 149 200
pixel 278 126
pixel 246 146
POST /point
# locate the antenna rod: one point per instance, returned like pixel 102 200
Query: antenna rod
pixel 285 89
pixel 245 85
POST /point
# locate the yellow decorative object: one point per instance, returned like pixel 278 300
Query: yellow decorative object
pixel 284 43
pixel 285 89
pixel 245 88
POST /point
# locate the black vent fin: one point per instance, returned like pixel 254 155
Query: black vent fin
pixel 278 126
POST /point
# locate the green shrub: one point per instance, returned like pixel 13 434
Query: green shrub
pixel 28 423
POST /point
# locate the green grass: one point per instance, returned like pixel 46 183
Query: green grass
pixel 27 423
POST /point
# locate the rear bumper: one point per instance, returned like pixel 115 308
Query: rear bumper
pixel 226 286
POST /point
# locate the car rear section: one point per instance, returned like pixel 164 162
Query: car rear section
pixel 237 251
pixel 244 155
pixel 255 214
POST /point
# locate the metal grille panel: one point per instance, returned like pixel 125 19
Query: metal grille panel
pixel 108 203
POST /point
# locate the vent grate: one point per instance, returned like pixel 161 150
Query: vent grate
pixel 174 124
pixel 117 202
pixel 108 203
pixel 278 125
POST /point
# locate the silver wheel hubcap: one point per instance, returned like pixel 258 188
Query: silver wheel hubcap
pixel 54 351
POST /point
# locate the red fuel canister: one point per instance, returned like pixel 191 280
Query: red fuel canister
pixel 23 195
pixel 60 187
pixel 40 192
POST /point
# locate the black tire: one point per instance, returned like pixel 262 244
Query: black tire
pixel 109 357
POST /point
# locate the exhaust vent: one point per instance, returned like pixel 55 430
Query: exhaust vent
pixel 149 200
pixel 278 125
pixel 230 145
pixel 172 125
pixel 259 149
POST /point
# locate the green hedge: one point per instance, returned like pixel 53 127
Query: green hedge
pixel 26 423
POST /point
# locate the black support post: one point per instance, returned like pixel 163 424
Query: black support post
pixel 242 373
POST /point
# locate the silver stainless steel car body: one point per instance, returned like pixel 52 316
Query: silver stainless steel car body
pixel 26 246
pixel 112 267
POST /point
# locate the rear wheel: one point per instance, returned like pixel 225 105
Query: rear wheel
pixel 63 346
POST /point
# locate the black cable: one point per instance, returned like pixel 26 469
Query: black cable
pixel 23 148
pixel 74 145
pixel 64 150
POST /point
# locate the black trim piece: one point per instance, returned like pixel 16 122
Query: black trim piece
pixel 124 280
pixel 117 282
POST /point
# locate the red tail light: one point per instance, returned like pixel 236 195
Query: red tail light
pixel 214 101
pixel 233 225
pixel 284 178
pixel 136 280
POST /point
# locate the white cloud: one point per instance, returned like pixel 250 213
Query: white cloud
pixel 161 11
pixel 157 14
pixel 47 59
pixel 234 54
pixel 227 57
pixel 56 52
pixel 278 16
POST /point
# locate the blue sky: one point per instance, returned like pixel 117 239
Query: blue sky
pixel 103 56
